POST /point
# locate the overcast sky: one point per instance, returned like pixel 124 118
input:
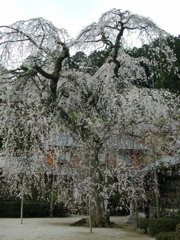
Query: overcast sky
pixel 73 15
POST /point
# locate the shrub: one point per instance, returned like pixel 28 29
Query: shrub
pixel 143 223
pixel 162 225
pixel 178 232
pixel 166 236
pixel 177 216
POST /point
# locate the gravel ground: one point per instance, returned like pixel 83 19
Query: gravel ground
pixel 60 229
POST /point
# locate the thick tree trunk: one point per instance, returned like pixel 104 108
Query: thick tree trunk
pixel 99 217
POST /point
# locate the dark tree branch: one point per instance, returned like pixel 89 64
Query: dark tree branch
pixel 44 73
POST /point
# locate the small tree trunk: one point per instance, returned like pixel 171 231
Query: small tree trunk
pixel 22 201
pixel 131 218
pixel 52 194
pixel 90 215
pixel 90 202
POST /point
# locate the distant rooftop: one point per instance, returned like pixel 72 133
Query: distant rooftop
pixel 167 161
pixel 124 143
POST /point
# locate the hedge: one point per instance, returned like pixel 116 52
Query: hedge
pixel 31 209
pixel 166 236
pixel 155 226
pixel 178 232
pixel 162 225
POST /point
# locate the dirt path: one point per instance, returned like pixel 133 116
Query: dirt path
pixel 59 229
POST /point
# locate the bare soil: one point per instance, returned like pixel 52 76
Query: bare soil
pixel 60 229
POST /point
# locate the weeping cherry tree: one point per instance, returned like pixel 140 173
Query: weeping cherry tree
pixel 92 108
